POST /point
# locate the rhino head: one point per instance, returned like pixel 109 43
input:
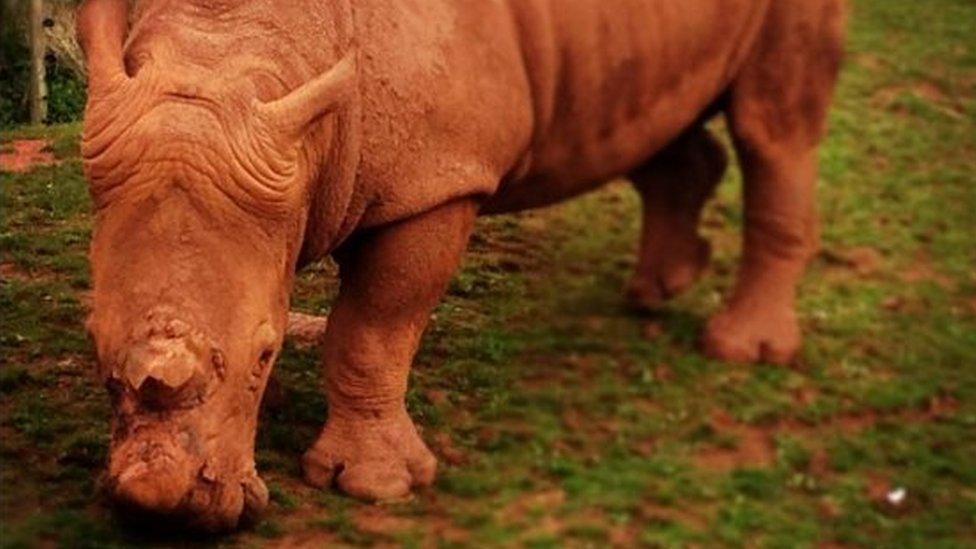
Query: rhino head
pixel 201 192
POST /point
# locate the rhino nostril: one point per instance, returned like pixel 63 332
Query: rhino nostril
pixel 218 363
pixel 157 487
pixel 266 357
pixel 256 497
pixel 156 395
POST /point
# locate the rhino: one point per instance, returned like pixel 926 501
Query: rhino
pixel 228 143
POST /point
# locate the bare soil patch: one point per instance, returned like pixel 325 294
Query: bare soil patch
pixel 443 446
pixel 519 507
pixel 863 260
pixel 696 520
pixel 923 270
pixel 755 444
pixel 535 507
pixel 10 271
pixel 307 539
pixel 928 91
pixel 376 520
pixel 25 155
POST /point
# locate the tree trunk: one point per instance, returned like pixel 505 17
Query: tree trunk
pixel 38 87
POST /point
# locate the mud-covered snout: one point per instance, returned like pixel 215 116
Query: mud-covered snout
pixel 183 430
pixel 155 476
pixel 167 364
pixel 151 472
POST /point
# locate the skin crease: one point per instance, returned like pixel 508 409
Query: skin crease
pixel 228 143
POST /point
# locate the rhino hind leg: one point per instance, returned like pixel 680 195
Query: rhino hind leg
pixel 392 277
pixel 777 112
pixel 674 186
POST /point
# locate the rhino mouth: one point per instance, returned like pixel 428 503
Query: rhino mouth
pixel 158 477
pixel 183 428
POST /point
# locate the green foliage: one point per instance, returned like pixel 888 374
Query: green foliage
pixel 66 94
pixel 66 91
pixel 14 73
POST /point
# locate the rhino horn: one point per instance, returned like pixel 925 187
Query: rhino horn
pixel 102 27
pixel 292 114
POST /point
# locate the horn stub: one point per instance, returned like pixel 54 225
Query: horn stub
pixel 102 27
pixel 292 114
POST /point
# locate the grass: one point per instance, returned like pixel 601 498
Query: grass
pixel 557 421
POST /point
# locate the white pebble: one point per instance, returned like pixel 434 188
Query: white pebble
pixel 897 496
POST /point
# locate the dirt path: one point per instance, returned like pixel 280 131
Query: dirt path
pixel 23 155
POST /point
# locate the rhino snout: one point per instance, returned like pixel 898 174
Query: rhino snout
pixel 155 486
pixel 160 483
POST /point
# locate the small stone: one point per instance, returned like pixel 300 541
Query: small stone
pixel 305 330
pixel 897 496
pixel 893 303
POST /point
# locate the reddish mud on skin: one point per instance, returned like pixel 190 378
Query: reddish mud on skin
pixel 227 143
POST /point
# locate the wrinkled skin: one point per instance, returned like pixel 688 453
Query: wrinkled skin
pixel 227 143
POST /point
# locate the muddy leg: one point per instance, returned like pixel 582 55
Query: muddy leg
pixel 777 114
pixel 759 321
pixel 391 279
pixel 674 186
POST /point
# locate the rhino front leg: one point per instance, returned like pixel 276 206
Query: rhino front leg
pixel 392 278
pixel 674 186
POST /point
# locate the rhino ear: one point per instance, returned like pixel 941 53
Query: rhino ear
pixel 102 26
pixel 292 114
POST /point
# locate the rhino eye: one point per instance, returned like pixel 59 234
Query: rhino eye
pixel 266 357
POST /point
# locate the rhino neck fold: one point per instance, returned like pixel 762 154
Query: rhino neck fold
pixel 226 38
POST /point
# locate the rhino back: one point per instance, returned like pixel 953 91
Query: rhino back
pixel 548 97
pixel 614 81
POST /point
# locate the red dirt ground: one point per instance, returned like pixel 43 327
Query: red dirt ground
pixel 756 443
pixel 27 153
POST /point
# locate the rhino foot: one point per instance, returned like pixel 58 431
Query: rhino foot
pixel 370 459
pixel 755 335
pixel 670 273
